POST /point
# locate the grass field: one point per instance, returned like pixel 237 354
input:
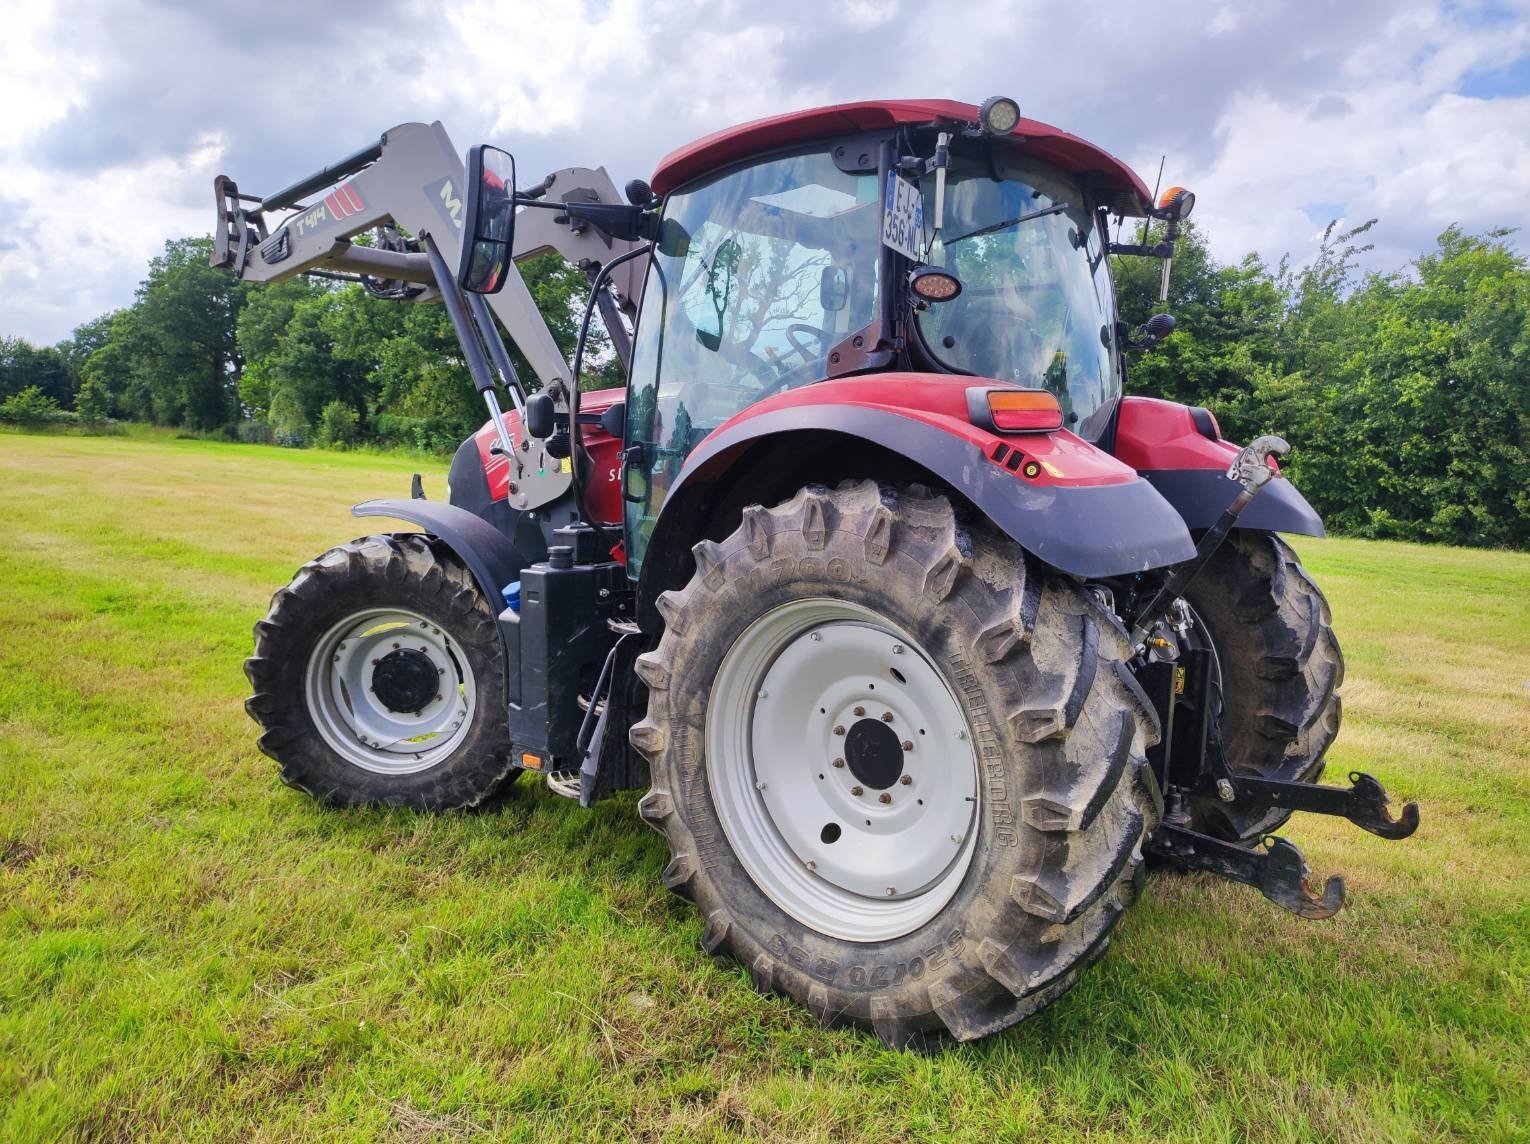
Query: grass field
pixel 188 948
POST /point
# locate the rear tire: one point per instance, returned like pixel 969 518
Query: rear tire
pixel 1281 669
pixel 378 679
pixel 883 605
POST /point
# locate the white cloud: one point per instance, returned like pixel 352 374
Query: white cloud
pixel 1392 140
pixel 115 114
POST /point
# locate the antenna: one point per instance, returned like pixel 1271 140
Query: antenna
pixel 1158 182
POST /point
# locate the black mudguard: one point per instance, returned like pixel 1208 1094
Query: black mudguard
pixel 1090 531
pixel 486 551
pixel 1201 495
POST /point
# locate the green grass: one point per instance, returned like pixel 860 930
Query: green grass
pixel 188 948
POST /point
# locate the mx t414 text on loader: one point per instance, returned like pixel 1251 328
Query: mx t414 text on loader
pixel 921 637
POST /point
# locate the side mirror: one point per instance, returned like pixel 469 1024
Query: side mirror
pixel 489 230
pixel 833 289
pixel 539 415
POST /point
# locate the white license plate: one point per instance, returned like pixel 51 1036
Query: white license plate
pixel 903 217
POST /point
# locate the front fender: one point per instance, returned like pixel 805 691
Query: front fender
pixel 486 551
pixel 1180 450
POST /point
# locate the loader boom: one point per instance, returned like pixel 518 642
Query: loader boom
pixel 413 179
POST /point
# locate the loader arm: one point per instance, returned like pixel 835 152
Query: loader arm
pixel 414 179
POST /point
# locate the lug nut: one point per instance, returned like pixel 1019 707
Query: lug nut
pixel 438 696
pixel 887 716
pixel 891 890
pixel 839 762
pixel 884 798
pixel 897 649
pixel 908 744
pixel 395 645
pixel 907 780
pixel 839 730
pixel 816 636
pixel 857 791
pixel 860 711
pixel 811 865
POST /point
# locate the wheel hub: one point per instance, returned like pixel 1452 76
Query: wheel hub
pixel 844 770
pixel 390 691
pixel 405 680
pixel 873 753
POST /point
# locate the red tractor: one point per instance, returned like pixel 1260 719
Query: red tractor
pixel 920 636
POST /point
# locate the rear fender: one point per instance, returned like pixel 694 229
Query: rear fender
pixel 1180 450
pixel 1060 498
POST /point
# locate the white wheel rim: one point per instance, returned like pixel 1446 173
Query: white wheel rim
pixel 812 684
pixel 356 723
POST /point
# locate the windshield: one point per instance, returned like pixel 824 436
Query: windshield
pixel 1036 306
pixel 758 274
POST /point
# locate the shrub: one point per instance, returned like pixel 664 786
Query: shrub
pixel 338 425
pixel 32 407
pixel 253 432
pixel 94 401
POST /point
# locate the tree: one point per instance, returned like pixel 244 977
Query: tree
pixel 25 366
pixel 185 359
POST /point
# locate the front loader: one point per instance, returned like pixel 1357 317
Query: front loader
pixel 921 637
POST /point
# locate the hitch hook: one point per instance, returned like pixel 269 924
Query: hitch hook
pixel 1286 880
pixel 1368 809
pixel 1278 871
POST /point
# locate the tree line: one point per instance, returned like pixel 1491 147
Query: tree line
pixel 1405 395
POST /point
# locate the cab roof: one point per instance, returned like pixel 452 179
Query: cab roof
pixel 1070 153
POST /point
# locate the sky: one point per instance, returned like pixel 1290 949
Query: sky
pixel 115 115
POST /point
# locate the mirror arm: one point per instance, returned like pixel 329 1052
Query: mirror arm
pixel 621 221
pixel 1157 250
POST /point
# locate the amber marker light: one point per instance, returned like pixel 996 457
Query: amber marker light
pixel 1014 410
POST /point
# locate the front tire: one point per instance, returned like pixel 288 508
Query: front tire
pixel 829 624
pixel 379 679
pixel 1280 667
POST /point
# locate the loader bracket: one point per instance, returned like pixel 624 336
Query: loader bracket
pixel 1277 871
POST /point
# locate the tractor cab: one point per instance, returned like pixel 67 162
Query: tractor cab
pixel 947 240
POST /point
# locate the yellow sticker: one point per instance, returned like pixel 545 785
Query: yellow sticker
pixel 564 466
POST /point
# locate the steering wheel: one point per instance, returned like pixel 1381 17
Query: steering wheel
pixel 821 336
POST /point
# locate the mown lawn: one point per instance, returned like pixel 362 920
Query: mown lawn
pixel 188 948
